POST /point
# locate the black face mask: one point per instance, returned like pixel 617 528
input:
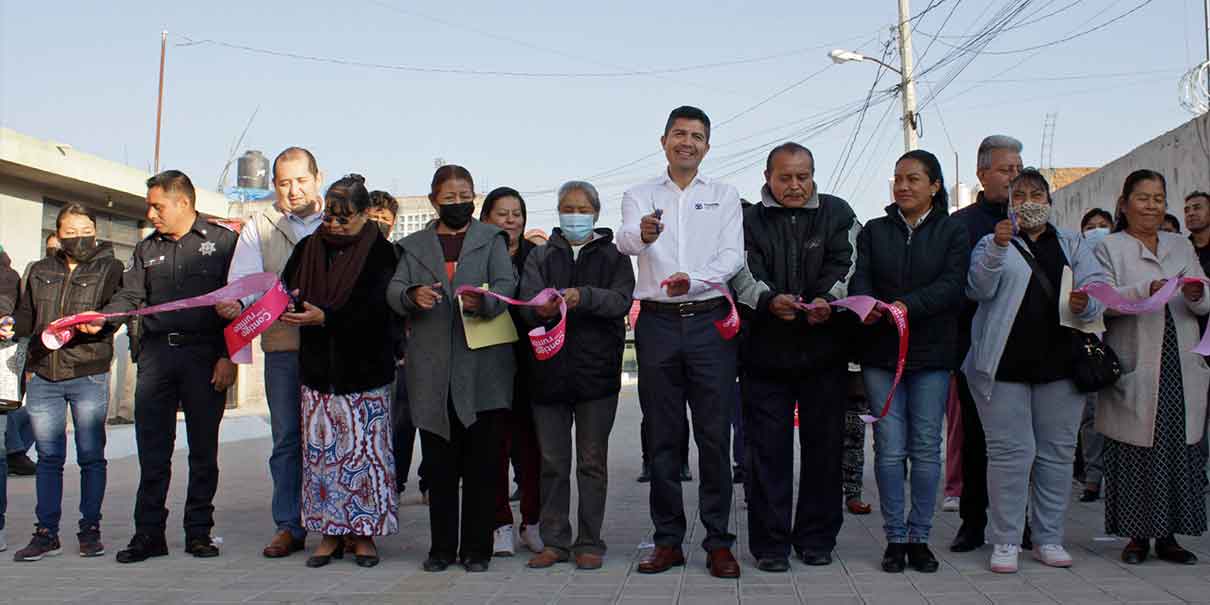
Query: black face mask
pixel 79 248
pixel 51 252
pixel 385 228
pixel 456 216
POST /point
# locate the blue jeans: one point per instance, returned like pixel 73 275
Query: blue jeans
pixel 283 389
pixel 18 434
pixel 3 472
pixel 911 431
pixel 47 403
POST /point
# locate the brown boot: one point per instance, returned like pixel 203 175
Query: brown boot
pixel 283 544
pixel 588 561
pixel 662 559
pixel 546 558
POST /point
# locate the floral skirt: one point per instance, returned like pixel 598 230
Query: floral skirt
pixel 348 463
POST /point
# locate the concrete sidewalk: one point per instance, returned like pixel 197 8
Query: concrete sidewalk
pixel 241 574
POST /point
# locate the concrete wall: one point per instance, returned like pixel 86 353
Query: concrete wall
pixel 21 223
pixel 1181 155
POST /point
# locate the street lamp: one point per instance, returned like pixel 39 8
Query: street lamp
pixel 847 56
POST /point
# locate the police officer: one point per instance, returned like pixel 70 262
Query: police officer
pixel 182 362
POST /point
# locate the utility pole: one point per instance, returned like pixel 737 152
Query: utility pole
pixel 159 103
pixel 1206 14
pixel 908 85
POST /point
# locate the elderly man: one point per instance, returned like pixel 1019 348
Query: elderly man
pixel 801 243
pixel 686 230
pixel 266 245
pixel 999 162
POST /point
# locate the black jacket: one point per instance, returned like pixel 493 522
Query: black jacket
pixel 979 219
pixel 10 285
pixel 522 381
pixel 354 351
pixel 51 292
pixel 590 364
pixel 926 270
pixel 807 252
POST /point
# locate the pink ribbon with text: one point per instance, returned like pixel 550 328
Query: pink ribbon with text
pixel 545 344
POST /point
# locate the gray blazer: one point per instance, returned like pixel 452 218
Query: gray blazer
pixel 440 368
pixel 1126 410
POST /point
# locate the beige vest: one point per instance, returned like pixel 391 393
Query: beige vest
pixel 277 242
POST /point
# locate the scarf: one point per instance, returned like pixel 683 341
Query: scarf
pixel 331 264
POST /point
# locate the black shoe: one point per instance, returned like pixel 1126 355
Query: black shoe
pixel 143 547
pixel 921 558
pixel 1090 495
pixel 21 465
pixel 815 559
pixel 737 474
pixel 315 561
pixel 1166 549
pixel 967 539
pixel 773 564
pixel 645 474
pixel 685 474
pixel 1027 539
pixel 1136 551
pixel 435 564
pixel 201 547
pixel 366 560
pixel 475 565
pixel 893 560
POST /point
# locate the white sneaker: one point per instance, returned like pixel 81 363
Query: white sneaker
pixel 1053 555
pixel 531 537
pixel 3 542
pixel 503 542
pixel 951 504
pixel 1004 558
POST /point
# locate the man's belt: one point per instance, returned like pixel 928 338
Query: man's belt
pixel 185 339
pixel 685 309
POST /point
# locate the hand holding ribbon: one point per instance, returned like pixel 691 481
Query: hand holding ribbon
pixel 728 326
pixel 1192 287
pixel 866 307
pixel 546 344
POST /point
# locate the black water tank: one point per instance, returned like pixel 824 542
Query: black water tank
pixel 252 170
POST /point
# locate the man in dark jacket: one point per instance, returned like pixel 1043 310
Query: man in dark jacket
pixel 801 243
pixel 999 162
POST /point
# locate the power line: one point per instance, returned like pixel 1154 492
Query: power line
pixel 1063 40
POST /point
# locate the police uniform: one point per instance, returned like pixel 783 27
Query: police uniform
pixel 178 352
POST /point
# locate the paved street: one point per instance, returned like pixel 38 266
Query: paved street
pixel 244 524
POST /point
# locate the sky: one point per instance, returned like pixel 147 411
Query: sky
pixel 85 73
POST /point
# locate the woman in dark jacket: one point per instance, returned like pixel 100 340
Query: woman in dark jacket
pixel 82 276
pixel 915 258
pixel 580 384
pixel 347 363
pixel 505 208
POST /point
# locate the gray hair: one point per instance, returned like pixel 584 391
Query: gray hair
pixel 994 142
pixel 594 198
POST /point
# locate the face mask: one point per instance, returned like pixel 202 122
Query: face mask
pixel 78 248
pixel 385 228
pixel 1032 215
pixel 576 227
pixel 51 252
pixel 456 216
pixel 1095 233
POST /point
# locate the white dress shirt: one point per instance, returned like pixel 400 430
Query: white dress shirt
pixel 247 257
pixel 703 235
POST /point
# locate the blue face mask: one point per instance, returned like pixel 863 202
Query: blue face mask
pixel 576 227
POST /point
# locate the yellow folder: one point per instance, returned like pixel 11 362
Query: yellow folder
pixel 481 333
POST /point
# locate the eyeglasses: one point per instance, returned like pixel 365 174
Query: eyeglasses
pixel 339 220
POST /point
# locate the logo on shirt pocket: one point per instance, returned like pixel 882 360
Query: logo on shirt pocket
pixel 705 206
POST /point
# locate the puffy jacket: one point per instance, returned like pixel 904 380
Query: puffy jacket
pixel 807 252
pixel 52 292
pixel 10 285
pixel 924 268
pixel 590 364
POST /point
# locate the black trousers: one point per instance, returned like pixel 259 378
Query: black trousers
pixel 404 437
pixel 168 378
pixel 769 423
pixel 973 507
pixel 684 359
pixel 470 457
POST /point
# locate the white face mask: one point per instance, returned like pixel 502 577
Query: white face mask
pixel 1096 233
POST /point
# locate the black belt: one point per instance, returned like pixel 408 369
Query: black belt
pixel 685 309
pixel 184 339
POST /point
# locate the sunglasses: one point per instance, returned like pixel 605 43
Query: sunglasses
pixel 339 220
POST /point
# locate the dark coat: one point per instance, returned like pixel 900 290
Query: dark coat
pixel 979 219
pixel 589 366
pixel 353 351
pixel 10 285
pixel 926 270
pixel 806 252
pixel 51 292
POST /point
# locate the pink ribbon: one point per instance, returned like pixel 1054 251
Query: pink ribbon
pixel 1115 300
pixel 862 306
pixel 728 326
pixel 62 330
pixel 545 344
pixel 255 319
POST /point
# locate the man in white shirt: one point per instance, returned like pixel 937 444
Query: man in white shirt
pixel 265 244
pixel 686 230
